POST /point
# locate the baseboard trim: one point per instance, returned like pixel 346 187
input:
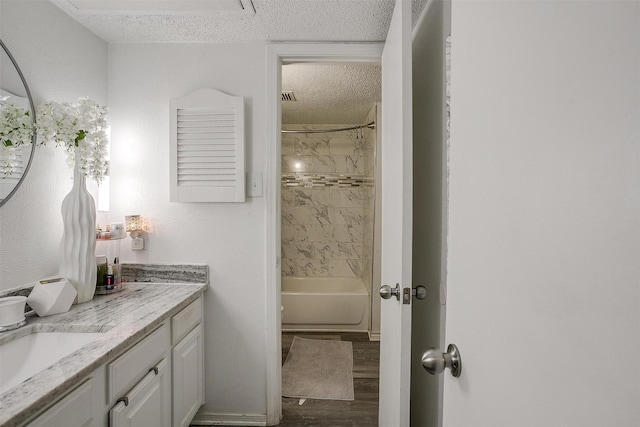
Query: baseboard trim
pixel 211 419
pixel 374 336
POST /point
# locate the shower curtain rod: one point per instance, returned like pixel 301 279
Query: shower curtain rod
pixel 368 125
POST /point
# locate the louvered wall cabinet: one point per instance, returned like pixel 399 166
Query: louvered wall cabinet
pixel 207 147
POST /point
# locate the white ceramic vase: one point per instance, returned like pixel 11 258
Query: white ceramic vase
pixel 77 248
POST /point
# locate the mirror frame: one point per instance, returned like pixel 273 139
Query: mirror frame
pixel 33 115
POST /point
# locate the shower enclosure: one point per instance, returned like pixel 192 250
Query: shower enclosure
pixel 328 221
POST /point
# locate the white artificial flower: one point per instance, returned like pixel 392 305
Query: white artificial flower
pixel 16 131
pixel 80 127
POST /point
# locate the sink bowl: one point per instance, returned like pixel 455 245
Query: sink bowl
pixel 24 357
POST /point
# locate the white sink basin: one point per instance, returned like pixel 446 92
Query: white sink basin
pixel 24 357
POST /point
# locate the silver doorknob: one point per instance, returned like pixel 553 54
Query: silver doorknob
pixel 420 292
pixel 435 362
pixel 387 291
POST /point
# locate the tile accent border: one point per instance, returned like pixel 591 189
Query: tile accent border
pixel 326 180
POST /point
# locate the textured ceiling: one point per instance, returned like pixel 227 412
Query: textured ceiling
pixel 274 20
pixel 326 93
pixel 330 93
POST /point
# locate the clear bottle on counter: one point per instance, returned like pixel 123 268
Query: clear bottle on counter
pixel 101 273
pixel 117 273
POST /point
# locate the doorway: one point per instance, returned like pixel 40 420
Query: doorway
pixel 328 189
pixel 434 178
pixel 277 55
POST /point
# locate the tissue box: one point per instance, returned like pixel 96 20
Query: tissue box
pixel 52 297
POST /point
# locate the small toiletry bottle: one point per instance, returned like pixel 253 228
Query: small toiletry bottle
pixel 110 283
pixel 117 272
pixel 101 276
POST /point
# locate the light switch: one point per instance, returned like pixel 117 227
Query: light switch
pixel 255 184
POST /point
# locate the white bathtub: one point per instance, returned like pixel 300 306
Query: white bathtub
pixel 324 304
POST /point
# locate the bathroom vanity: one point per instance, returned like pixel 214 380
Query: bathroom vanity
pixel 141 361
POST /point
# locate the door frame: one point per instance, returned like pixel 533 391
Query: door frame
pixel 277 53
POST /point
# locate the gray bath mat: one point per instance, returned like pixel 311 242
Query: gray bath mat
pixel 318 369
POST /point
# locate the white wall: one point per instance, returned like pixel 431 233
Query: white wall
pixel 544 271
pixel 229 237
pixel 61 61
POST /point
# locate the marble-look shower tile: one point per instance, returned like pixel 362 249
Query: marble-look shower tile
pixel 287 233
pixel 299 250
pixel 288 145
pixel 293 215
pixel 287 196
pixel 289 267
pixel 369 197
pixel 369 165
pixel 348 233
pixel 323 164
pixel 345 268
pixel 318 198
pixel 328 250
pixel 319 232
pixel 301 232
pixel 318 215
pixel 332 220
pixel 367 235
pixel 349 164
pixel 313 145
pixel 367 250
pixel 349 216
pixel 356 266
pixel 296 163
pixel 345 147
pixel 337 250
pixel 357 163
pixel 315 267
pixel 347 198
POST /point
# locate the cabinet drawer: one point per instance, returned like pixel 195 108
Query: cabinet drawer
pixel 183 322
pixel 129 368
pixel 148 404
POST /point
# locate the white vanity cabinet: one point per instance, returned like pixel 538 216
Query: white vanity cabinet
pixel 188 363
pixel 158 382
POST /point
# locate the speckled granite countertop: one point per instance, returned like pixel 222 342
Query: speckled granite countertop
pixel 124 317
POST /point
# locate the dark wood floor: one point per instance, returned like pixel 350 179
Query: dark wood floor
pixel 361 412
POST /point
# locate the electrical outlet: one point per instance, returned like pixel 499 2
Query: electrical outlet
pixel 137 244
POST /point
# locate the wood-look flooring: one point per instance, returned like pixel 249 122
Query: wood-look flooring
pixel 362 411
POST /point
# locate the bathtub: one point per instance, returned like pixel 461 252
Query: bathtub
pixel 324 304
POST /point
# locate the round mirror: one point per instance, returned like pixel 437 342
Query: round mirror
pixel 17 113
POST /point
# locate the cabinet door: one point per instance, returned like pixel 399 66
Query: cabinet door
pixel 188 377
pixel 148 403
pixel 74 410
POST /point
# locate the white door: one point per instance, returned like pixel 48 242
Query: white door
pixel 544 223
pixel 395 322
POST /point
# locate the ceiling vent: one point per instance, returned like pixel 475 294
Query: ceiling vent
pixel 288 96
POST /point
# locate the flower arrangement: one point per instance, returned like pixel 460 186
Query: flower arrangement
pixel 16 131
pixel 78 127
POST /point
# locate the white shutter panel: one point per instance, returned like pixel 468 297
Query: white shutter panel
pixel 207 147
